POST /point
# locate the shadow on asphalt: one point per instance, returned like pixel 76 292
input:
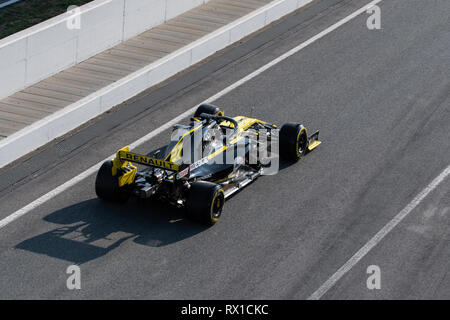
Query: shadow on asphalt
pixel 92 228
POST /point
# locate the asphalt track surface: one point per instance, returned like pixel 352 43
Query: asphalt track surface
pixel 381 101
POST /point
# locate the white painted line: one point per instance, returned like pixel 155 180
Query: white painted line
pixel 21 212
pixel 379 236
pixel 7 3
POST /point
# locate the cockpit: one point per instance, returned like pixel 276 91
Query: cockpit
pixel 200 139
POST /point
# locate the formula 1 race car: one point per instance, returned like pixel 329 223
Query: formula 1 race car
pixel 205 162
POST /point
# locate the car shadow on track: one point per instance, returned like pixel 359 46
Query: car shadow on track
pixel 90 229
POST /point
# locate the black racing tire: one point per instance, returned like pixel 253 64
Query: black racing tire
pixel 205 202
pixel 208 109
pixel 107 186
pixel 293 141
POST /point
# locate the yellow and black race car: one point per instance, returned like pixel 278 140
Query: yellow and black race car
pixel 206 162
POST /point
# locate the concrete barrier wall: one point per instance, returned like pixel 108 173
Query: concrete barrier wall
pixel 97 103
pixel 50 47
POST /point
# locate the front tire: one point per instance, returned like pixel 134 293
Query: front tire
pixel 205 202
pixel 208 109
pixel 107 186
pixel 293 141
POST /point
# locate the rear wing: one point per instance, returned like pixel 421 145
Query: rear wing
pixel 125 155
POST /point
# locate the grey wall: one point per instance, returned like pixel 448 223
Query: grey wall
pixel 49 47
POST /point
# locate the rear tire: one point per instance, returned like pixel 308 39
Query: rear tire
pixel 205 202
pixel 107 186
pixel 208 109
pixel 293 141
